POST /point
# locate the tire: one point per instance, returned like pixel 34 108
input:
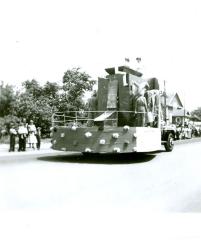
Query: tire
pixel 169 145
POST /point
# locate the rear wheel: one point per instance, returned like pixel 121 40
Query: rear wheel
pixel 169 145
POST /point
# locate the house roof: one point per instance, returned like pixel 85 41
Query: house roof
pixel 171 97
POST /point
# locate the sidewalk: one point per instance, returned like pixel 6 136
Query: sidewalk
pixel 45 148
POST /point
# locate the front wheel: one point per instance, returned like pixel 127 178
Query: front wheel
pixel 169 145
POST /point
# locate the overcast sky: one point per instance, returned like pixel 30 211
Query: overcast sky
pixel 42 39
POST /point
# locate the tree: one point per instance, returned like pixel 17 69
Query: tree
pixel 50 89
pixel 32 87
pixel 75 83
pixel 197 112
pixel 7 98
pixel 5 122
pixel 37 103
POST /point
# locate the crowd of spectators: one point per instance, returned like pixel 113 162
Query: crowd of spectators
pixel 187 131
pixel 25 133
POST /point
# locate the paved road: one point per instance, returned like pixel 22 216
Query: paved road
pixel 102 197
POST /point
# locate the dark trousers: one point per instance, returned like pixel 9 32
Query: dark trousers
pixel 12 143
pixel 22 143
pixel 38 141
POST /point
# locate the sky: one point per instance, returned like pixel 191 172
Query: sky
pixel 41 39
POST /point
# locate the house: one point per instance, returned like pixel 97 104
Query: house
pixel 180 116
pixel 175 110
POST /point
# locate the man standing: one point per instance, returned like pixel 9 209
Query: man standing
pixel 38 137
pixel 22 133
pixel 13 134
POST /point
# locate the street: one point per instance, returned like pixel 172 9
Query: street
pixel 108 186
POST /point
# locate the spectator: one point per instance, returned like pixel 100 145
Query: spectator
pixel 13 133
pixel 38 137
pixel 32 135
pixel 24 121
pixel 22 133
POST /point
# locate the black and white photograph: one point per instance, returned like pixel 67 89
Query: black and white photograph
pixel 100 119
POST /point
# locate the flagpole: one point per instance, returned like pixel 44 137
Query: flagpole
pixel 165 101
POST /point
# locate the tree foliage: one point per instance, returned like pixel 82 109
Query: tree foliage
pixel 7 98
pixel 75 83
pixel 5 122
pixel 33 88
pixel 38 102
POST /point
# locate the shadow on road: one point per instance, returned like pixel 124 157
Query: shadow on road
pixel 124 158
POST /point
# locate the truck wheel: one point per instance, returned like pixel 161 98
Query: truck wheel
pixel 169 145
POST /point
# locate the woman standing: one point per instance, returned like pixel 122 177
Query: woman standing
pixel 32 141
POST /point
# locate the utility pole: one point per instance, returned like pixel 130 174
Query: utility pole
pixel 184 112
pixel 165 102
